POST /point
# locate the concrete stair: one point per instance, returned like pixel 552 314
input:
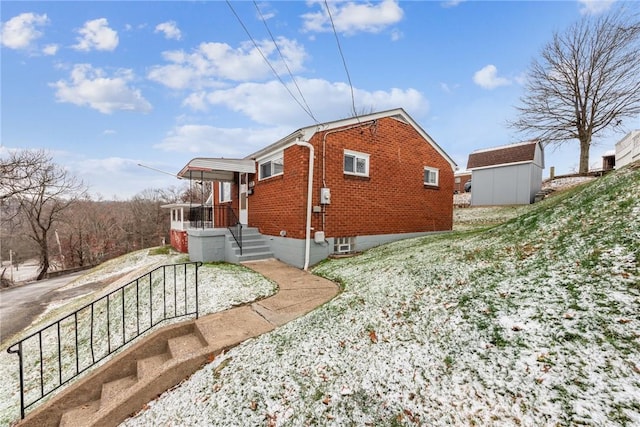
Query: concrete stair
pixel 542 194
pixel 135 377
pixel 161 360
pixel 254 246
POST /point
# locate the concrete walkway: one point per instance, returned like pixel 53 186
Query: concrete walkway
pixel 154 364
pixel 299 292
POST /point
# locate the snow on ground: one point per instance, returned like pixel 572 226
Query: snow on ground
pixel 221 286
pixel 535 322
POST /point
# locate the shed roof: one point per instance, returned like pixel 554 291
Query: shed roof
pixel 507 154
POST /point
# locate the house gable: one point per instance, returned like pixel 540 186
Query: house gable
pixel 308 132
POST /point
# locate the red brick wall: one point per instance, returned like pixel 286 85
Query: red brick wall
pixel 179 240
pixel 459 186
pixel 393 199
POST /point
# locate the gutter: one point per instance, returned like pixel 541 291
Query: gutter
pixel 309 194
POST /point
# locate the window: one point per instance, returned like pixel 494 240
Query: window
pixel 344 245
pixel 271 167
pixel 356 163
pixel 225 192
pixel 431 176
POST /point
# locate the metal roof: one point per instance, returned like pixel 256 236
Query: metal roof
pixel 216 169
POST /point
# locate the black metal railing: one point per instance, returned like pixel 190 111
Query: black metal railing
pixel 56 354
pixel 235 227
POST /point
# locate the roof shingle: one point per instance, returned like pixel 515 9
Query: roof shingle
pixel 514 153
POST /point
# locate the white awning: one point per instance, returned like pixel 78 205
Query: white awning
pixel 216 169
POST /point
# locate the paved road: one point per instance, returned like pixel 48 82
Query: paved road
pixel 19 306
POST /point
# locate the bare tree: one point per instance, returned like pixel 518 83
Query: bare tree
pixel 587 81
pixel 52 190
pixel 17 170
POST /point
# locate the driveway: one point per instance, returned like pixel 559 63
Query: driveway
pixel 21 305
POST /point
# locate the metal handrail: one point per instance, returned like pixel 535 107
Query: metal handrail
pixel 235 227
pixel 57 346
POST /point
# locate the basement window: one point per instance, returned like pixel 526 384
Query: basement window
pixel 356 163
pixel 431 176
pixel 271 167
pixel 344 245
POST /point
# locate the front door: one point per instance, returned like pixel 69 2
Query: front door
pixel 243 208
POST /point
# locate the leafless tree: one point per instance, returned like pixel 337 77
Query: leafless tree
pixel 52 191
pixel 586 81
pixel 17 169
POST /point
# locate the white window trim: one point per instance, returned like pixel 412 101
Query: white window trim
pixel 437 173
pixel 357 155
pixel 221 192
pixel 271 159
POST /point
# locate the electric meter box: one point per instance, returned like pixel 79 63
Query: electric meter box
pixel 325 196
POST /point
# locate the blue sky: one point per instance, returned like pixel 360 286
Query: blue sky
pixel 106 86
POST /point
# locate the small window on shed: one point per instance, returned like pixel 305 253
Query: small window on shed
pixel 431 176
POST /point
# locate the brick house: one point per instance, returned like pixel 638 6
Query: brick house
pixel 331 188
pixel 460 178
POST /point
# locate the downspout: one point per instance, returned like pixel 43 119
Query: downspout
pixel 309 194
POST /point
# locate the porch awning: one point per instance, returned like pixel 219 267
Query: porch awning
pixel 216 169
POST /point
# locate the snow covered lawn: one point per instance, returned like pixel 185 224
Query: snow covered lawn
pixel 532 322
pixel 222 286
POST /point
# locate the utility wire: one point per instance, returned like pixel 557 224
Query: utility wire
pixel 269 63
pixel 344 62
pixel 284 61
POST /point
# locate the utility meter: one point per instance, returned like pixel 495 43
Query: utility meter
pixel 325 196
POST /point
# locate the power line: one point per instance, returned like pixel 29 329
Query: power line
pixel 344 62
pixel 284 61
pixel 269 63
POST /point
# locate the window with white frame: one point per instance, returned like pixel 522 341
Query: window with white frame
pixel 356 163
pixel 344 245
pixel 225 192
pixel 431 176
pixel 271 167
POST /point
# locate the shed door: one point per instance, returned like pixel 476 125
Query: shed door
pixel 243 201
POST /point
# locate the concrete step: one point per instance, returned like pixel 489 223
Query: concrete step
pixel 114 389
pixel 254 256
pixel 184 346
pixel 151 366
pixel 74 416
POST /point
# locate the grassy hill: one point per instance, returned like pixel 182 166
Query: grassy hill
pixel 532 322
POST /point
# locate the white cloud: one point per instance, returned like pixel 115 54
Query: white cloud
pixel 595 7
pixel 270 103
pixel 109 132
pixel 447 88
pixel 91 87
pixel 20 31
pixel 266 11
pixel 353 17
pixel 96 35
pixel 452 3
pixel 219 142
pixel 50 49
pixel 488 78
pixel 115 178
pixel 170 30
pixel 212 63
